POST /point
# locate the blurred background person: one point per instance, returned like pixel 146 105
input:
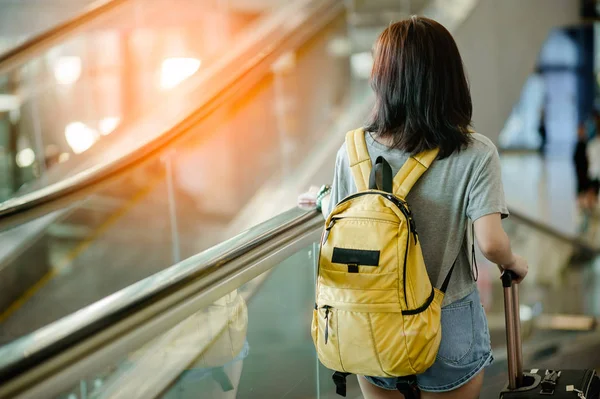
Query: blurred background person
pixel 542 132
pixel 585 192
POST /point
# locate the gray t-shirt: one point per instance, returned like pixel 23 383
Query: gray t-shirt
pixel 466 185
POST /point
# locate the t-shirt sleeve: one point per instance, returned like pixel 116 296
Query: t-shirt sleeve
pixel 486 195
pixel 339 189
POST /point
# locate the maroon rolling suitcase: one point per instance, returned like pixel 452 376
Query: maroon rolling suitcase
pixel 550 384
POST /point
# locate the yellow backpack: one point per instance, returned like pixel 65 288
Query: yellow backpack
pixel 376 313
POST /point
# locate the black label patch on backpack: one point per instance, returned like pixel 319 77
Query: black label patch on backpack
pixel 357 257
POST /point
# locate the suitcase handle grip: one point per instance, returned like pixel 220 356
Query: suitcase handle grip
pixel 513 330
pixel 508 276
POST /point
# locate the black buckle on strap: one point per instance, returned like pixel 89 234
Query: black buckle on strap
pixel 339 379
pixel 408 387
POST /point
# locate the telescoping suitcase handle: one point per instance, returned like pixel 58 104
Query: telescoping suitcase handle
pixel 513 330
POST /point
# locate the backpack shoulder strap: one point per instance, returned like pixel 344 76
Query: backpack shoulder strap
pixel 360 161
pixel 412 170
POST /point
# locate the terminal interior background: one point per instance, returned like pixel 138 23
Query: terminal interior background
pixel 151 156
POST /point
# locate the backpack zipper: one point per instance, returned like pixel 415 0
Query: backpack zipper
pixel 399 204
pixel 334 220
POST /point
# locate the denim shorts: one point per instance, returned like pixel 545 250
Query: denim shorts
pixel 464 351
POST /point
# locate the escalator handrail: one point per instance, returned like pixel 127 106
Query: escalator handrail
pixel 47 343
pixel 285 26
pixel 545 228
pixel 33 47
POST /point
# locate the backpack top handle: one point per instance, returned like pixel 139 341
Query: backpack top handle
pixel 381 176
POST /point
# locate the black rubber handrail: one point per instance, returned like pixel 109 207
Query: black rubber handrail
pixel 43 41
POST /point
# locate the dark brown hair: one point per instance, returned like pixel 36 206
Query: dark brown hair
pixel 422 94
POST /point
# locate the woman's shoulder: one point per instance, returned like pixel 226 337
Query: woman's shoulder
pixel 480 149
pixel 341 157
pixel 481 144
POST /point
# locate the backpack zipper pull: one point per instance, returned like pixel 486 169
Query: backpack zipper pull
pixel 413 228
pixel 328 229
pixel 326 323
pixel 408 214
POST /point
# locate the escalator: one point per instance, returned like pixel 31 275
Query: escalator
pixel 105 315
